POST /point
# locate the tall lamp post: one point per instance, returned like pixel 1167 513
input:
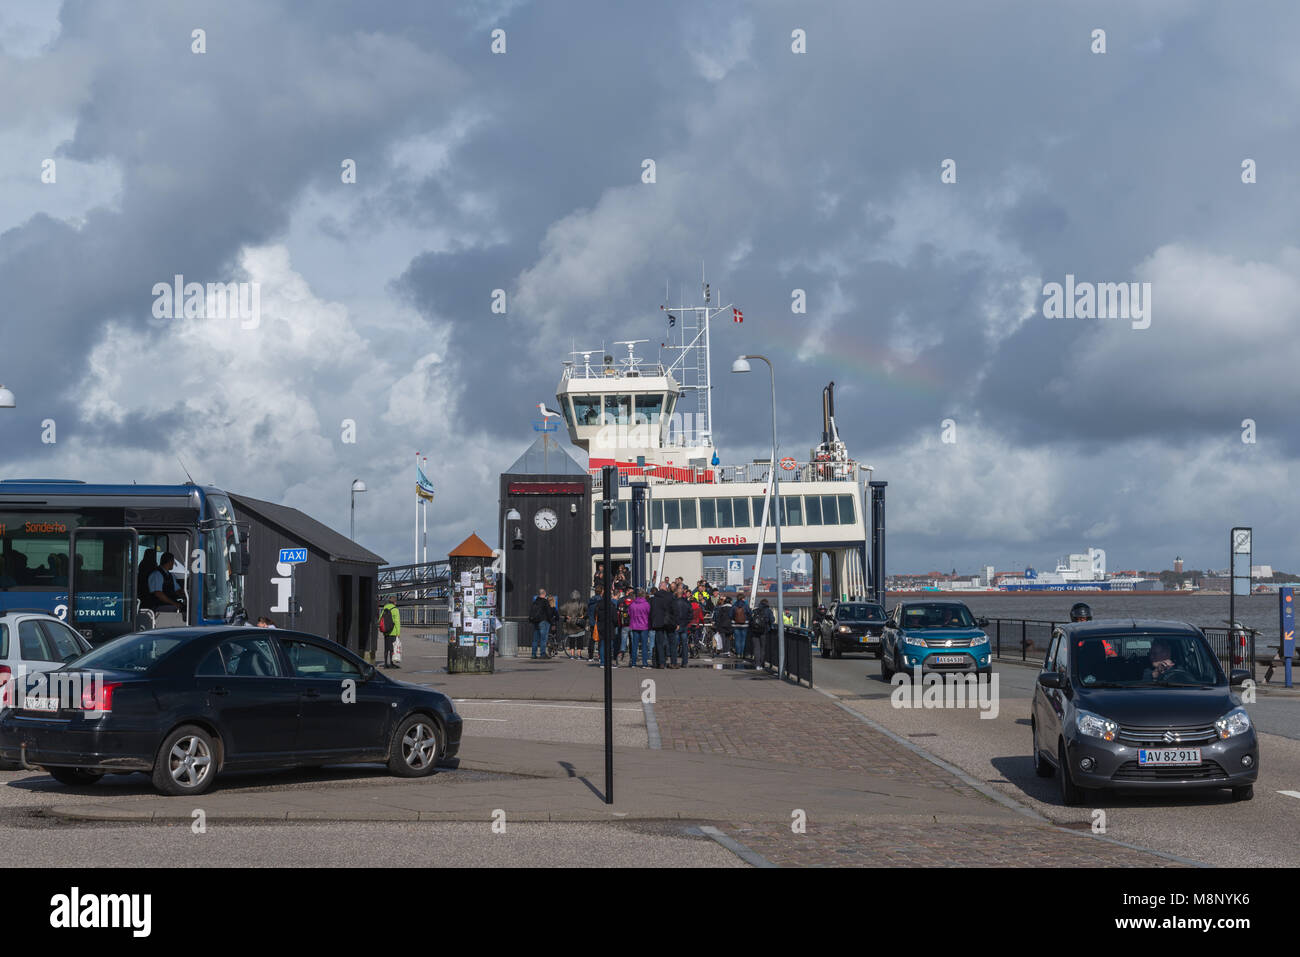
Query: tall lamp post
pixel 510 516
pixel 357 486
pixel 742 365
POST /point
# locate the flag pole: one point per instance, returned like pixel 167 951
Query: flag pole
pixel 416 559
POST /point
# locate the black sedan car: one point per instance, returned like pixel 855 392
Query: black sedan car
pixel 1138 705
pixel 184 704
pixel 852 626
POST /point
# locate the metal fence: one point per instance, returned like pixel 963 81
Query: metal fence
pixel 798 653
pixel 1027 639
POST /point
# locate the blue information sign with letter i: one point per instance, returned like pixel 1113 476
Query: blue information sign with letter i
pixel 293 556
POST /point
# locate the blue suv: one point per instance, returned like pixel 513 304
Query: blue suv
pixel 934 636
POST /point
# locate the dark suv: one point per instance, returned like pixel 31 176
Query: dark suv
pixel 1135 705
pixel 852 626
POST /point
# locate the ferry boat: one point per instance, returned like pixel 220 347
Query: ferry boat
pixel 652 420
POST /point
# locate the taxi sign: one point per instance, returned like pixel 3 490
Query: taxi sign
pixel 293 556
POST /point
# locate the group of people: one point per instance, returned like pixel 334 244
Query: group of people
pixel 651 628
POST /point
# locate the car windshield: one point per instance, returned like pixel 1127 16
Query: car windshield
pixel 936 615
pixel 860 613
pixel 1132 660
pixel 138 652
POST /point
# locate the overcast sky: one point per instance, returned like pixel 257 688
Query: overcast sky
pixel 522 171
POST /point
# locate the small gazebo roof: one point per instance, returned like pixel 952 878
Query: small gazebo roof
pixel 472 547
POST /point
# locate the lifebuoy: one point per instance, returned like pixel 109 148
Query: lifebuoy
pixel 788 463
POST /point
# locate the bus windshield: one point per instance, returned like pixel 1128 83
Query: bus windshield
pixel 222 585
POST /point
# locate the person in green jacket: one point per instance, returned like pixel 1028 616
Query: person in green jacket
pixel 391 635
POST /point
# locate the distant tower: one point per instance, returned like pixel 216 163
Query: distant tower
pixel 1178 566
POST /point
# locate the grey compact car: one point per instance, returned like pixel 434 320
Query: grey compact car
pixel 1140 705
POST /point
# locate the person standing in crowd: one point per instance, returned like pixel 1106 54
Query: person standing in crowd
pixel 638 621
pixel 606 629
pixel 682 611
pixel 740 625
pixel 539 614
pixel 788 618
pixel 760 624
pixel 662 621
pixel 594 635
pixel 573 615
pixel 390 626
pixel 620 623
pixel 723 627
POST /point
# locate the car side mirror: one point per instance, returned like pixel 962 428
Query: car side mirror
pixel 368 671
pixel 1239 677
pixel 982 622
pixel 1050 679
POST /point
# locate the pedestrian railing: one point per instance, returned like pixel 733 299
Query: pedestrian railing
pixel 798 653
pixel 1027 639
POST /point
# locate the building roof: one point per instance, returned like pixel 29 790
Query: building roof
pixel 472 547
pixel 306 530
pixel 545 457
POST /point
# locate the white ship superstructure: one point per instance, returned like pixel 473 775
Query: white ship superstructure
pixel 624 411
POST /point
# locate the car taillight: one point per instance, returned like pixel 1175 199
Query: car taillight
pixel 6 688
pixel 98 698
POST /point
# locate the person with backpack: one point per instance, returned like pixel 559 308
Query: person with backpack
pixel 740 625
pixel 390 626
pixel 723 626
pixel 574 613
pixel 539 614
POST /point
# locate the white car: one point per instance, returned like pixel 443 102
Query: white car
pixel 32 640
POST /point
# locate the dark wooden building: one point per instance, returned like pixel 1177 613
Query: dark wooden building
pixel 336 586
pixel 550 546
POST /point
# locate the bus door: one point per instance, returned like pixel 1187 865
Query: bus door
pixel 153 544
pixel 102 601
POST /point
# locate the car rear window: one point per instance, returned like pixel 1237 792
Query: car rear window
pixel 131 652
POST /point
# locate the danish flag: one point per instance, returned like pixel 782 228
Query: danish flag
pixel 737 315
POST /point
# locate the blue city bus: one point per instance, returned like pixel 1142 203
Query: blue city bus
pixel 84 553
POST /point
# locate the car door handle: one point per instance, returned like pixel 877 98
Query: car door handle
pixel 219 691
pixel 311 693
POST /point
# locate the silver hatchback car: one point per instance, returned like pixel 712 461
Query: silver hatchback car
pixel 33 640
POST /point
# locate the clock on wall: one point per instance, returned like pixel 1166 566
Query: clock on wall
pixel 545 519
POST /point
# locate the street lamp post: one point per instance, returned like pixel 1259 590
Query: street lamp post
pixel 357 486
pixel 510 516
pixel 742 365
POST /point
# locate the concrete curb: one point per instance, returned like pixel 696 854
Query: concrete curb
pixel 751 858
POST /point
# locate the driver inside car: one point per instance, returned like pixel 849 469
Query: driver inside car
pixel 1162 661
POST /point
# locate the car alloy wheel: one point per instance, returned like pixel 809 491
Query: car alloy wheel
pixel 189 762
pixel 417 746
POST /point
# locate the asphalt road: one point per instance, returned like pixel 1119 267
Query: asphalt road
pixel 1207 827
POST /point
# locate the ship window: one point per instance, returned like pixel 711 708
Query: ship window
pixel 846 510
pixel 650 406
pixel 620 518
pixel 791 510
pixel 758 511
pixel 618 409
pixel 669 508
pixel 830 511
pixel 813 510
pixel 688 512
pixel 708 514
pixel 567 408
pixel 740 510
pixel 586 409
pixel 723 506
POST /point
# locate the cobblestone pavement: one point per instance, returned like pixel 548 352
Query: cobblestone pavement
pixel 810 733
pixel 894 844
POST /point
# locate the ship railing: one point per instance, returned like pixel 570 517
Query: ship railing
pixel 756 472
pixel 644 370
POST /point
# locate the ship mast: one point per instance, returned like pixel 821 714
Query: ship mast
pixel 691 368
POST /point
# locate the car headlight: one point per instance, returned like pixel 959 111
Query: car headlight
pixel 1096 726
pixel 913 640
pixel 980 639
pixel 844 629
pixel 1233 723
